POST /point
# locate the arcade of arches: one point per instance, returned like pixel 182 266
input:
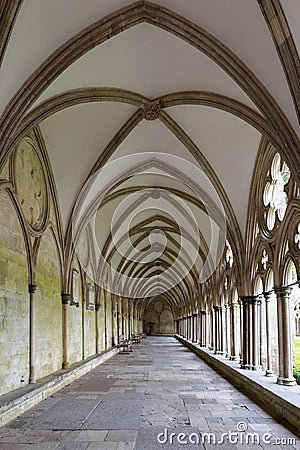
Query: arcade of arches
pixel 149 181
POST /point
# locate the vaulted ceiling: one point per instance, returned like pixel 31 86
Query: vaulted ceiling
pixel 182 91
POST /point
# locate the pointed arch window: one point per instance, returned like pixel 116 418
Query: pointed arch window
pixel 274 195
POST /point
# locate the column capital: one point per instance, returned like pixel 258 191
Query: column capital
pixel 203 313
pixel 32 288
pixel 234 304
pixel 216 308
pixel 282 291
pixel 65 298
pixel 267 295
pixel 250 298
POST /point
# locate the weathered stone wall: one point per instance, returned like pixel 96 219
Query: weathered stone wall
pixel 109 330
pixel 89 329
pixel 26 176
pixel 74 327
pixel 14 299
pixel 101 323
pixel 48 310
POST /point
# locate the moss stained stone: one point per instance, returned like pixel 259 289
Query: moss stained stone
pixel 48 311
pixel 14 299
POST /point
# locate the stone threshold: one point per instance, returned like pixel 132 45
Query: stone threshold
pixel 282 402
pixel 20 400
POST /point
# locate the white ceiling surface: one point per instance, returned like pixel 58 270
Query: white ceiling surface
pixel 42 26
pixel 229 144
pixel 149 61
pixel 75 138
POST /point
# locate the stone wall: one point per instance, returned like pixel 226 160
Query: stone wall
pixel 29 214
pixel 48 310
pixel 14 299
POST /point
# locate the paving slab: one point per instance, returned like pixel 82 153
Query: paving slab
pixel 67 414
pixel 114 415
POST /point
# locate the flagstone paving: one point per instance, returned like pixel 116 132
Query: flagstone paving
pixel 160 396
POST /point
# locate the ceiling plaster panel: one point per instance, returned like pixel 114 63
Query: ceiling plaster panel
pixel 240 25
pixel 229 144
pixel 152 136
pixel 41 27
pixel 75 139
pixel 149 61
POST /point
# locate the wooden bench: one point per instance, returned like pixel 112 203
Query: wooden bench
pixel 135 338
pixel 124 345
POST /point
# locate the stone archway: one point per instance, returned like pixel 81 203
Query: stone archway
pixel 159 318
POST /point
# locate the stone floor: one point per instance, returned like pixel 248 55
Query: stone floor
pixel 161 396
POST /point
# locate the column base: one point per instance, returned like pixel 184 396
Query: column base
pixel 286 381
pixel 234 358
pixel 32 380
pixel 66 365
pixel 255 367
pixel 269 373
pixel 245 366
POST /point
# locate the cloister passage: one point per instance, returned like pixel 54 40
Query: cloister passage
pixel 149 183
pixel 144 401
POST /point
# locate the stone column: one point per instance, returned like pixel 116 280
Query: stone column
pixel 269 370
pixel 190 328
pixel 228 331
pixel 208 328
pixel 285 341
pixel 217 329
pixel 255 304
pixel 203 318
pixel 234 307
pixel 223 330
pixel 241 330
pixel 195 328
pixel 212 329
pixel 31 290
pixel 97 308
pixel 65 298
pixel 105 320
pixel 246 333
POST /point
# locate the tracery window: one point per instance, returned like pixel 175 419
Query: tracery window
pixel 264 259
pixel 274 195
pixel 297 236
pixel 229 254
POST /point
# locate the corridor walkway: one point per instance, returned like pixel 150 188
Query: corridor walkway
pixel 137 400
